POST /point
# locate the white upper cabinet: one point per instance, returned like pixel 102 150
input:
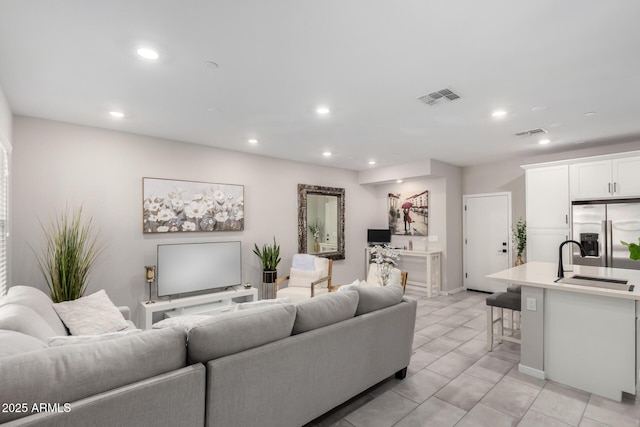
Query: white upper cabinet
pixel 626 182
pixel 605 179
pixel 548 197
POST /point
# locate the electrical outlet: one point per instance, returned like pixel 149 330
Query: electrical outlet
pixel 433 238
pixel 531 304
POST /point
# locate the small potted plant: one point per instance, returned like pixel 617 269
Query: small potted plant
pixel 270 258
pixel 634 249
pixel 316 229
pixel 520 240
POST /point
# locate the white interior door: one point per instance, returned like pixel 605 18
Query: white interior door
pixel 487 246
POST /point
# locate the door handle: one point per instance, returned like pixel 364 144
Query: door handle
pixel 609 188
pixel 615 187
pixel 502 251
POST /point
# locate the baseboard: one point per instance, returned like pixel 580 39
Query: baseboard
pixel 417 289
pixel 453 291
pixel 536 373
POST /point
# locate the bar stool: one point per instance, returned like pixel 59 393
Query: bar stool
pixel 502 300
pixel 515 314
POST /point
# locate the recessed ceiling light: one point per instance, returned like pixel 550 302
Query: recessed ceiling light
pixel 499 113
pixel 253 141
pixel 590 113
pixel 327 154
pixel 116 114
pixel 148 53
pixel 399 181
pixel 555 125
pixel 372 162
pixel 323 110
pixel 539 108
pixel 544 141
pixel 211 64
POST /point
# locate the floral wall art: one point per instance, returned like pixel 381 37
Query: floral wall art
pixel 173 205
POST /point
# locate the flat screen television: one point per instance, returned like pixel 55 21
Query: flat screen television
pixel 185 268
pixel 378 236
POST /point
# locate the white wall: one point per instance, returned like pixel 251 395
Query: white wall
pixel 58 164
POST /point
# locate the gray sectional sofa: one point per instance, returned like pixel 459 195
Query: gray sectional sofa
pixel 278 365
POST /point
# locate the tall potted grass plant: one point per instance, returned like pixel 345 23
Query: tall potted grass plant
pixel 69 255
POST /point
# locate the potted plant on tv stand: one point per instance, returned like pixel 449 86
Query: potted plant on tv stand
pixel 270 258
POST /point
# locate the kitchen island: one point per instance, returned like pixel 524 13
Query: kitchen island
pixel 581 336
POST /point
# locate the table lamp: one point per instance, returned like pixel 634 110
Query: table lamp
pixel 150 277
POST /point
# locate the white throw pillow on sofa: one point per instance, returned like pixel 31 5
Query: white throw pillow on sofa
pixel 351 285
pixel 185 322
pixel 91 315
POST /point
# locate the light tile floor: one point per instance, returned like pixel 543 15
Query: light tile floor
pixel 453 381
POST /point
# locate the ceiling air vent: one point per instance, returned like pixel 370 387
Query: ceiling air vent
pixel 530 132
pixel 431 98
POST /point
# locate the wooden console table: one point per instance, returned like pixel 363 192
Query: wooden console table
pixel 433 278
pixel 213 302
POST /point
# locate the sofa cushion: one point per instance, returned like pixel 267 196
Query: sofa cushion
pixel 324 310
pixel 39 302
pixel 262 303
pixel 83 339
pixel 237 331
pixel 375 298
pixel 12 342
pixel 91 315
pixel 70 373
pixel 20 318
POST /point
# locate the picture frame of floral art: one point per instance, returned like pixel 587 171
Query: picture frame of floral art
pixel 188 206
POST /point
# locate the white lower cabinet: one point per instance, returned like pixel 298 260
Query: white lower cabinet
pixel 543 244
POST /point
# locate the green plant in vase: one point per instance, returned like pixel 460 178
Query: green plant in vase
pixel 634 249
pixel 270 258
pixel 520 239
pixel 70 254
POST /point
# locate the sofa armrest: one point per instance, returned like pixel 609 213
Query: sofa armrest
pixel 125 311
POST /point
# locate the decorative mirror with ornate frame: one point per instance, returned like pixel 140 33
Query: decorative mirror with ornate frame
pixel 321 221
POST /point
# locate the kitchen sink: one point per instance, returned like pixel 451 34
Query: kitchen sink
pixel 597 282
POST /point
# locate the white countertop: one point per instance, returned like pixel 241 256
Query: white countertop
pixel 544 274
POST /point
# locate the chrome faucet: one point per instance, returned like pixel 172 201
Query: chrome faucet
pixel 560 267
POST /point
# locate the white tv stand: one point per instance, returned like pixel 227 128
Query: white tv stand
pixel 199 304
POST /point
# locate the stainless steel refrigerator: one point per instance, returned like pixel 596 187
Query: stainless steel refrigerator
pixel 600 226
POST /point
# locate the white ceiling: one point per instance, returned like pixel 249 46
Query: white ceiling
pixel 368 60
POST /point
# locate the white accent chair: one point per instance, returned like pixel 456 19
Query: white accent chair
pixel 304 284
pixel 397 277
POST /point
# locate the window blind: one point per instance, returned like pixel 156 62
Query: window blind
pixel 4 225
